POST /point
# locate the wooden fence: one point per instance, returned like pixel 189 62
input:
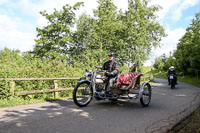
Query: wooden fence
pixel 56 89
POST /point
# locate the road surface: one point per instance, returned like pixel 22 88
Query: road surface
pixel 167 107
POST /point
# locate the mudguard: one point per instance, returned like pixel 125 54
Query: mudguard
pixel 81 80
pixel 142 88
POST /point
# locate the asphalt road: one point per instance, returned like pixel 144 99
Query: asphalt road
pixel 167 107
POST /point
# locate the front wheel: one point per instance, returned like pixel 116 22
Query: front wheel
pixel 172 84
pixel 82 94
pixel 146 95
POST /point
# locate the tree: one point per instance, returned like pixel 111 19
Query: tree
pixel 54 39
pixel 142 31
pixel 98 34
pixel 105 26
pixel 130 34
pixel 188 49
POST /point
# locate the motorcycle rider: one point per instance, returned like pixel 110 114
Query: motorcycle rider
pixel 113 69
pixel 172 71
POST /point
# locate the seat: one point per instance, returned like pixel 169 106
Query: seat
pixel 128 81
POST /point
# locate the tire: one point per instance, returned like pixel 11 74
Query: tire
pixel 172 83
pixel 82 94
pixel 146 95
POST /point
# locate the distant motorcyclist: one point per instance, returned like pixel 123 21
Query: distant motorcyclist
pixel 172 71
pixel 112 68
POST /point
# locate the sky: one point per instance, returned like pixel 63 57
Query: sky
pixel 19 19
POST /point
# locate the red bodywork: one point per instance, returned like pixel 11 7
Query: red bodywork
pixel 126 78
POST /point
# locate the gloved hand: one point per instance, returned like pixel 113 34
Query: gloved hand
pixel 109 74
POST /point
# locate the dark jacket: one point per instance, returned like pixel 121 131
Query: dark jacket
pixel 172 72
pixel 112 66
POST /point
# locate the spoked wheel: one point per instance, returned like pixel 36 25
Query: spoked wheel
pixel 146 95
pixel 82 94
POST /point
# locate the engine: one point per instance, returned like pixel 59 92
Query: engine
pixel 99 83
pixel 99 86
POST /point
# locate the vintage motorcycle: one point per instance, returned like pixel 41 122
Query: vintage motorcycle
pixel 94 85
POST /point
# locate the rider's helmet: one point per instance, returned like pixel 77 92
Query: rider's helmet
pixel 171 68
pixel 111 54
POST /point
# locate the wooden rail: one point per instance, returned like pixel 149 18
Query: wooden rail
pixel 25 79
pixel 56 89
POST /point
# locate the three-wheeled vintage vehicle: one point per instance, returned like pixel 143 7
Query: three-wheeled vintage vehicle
pixel 94 85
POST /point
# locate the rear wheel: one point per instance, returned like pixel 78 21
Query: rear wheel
pixel 146 95
pixel 82 94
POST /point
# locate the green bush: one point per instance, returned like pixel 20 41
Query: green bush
pixel 13 64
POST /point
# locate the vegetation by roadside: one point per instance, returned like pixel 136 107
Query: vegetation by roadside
pixel 191 123
pixel 186 79
pixel 13 101
pixel 7 101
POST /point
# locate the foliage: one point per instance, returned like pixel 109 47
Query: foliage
pixel 186 57
pixel 14 65
pixel 188 50
pixel 66 47
pixel 13 101
pixel 130 34
pixel 163 63
pixel 142 31
pixel 54 40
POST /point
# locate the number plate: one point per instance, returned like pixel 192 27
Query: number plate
pixel 171 77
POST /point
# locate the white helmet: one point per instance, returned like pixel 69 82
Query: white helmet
pixel 171 68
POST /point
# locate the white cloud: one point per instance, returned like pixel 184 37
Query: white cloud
pixel 41 21
pixel 33 8
pixel 169 43
pixel 12 38
pixel 183 6
pixel 6 23
pixel 2 2
pixel 12 26
pixel 166 5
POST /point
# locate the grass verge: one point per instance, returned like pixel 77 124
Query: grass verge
pixel 13 101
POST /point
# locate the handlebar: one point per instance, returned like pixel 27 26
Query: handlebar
pixel 99 67
pixel 101 71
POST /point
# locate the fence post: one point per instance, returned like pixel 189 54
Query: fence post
pixel 12 87
pixel 56 87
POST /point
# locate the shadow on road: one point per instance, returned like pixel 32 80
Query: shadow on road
pixel 166 106
pixel 23 116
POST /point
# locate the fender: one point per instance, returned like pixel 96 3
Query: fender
pixel 142 88
pixel 81 80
